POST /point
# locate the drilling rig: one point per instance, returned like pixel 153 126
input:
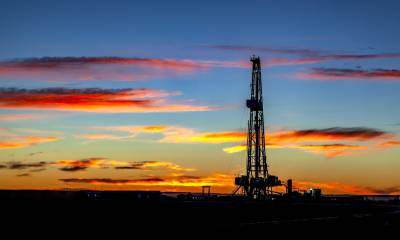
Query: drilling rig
pixel 257 183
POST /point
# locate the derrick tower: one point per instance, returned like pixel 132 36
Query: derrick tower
pixel 257 183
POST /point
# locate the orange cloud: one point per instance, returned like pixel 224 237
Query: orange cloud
pixel 100 137
pixel 330 150
pixel 191 136
pixel 390 144
pixel 291 136
pixel 176 134
pixel 167 165
pixel 146 165
pixel 94 100
pixel 135 129
pixel 308 140
pixel 25 141
pixel 155 128
pixel 243 147
pixel 235 149
pixel 83 164
pixel 221 137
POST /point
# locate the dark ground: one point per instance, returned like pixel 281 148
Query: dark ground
pixel 201 218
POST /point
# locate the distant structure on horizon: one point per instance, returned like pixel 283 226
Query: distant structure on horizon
pixel 257 183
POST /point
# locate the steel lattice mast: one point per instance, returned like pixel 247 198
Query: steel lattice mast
pixel 256 159
pixel 257 183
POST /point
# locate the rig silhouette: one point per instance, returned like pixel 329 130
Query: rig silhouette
pixel 257 183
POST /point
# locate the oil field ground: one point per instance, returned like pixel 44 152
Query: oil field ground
pixel 202 217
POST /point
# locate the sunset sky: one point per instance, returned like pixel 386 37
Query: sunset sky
pixel 151 94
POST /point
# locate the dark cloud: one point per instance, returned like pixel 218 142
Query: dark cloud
pixel 29 166
pixel 23 165
pixel 138 165
pixel 73 168
pixel 100 68
pixel 344 73
pixel 23 175
pixel 127 167
pixel 248 48
pixel 34 154
pixel 312 59
pixel 357 56
pixel 306 56
pixel 99 162
pixel 351 132
pixel 37 170
pixel 65 63
pixel 81 164
pixel 111 181
pixel 179 180
pixel 388 190
pixel 325 134
pixel 188 178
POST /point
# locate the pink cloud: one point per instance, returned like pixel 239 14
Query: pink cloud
pixel 105 68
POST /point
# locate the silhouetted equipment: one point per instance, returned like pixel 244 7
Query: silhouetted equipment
pixel 313 193
pixel 289 187
pixel 206 191
pixel 257 183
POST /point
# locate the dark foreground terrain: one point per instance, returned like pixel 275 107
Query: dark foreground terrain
pixel 172 217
